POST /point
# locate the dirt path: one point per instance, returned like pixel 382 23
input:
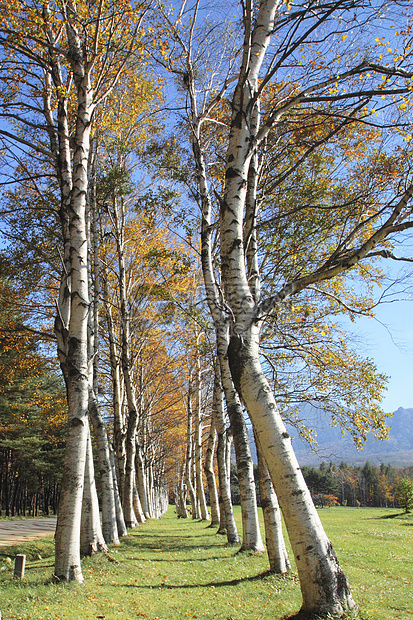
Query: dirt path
pixel 16 532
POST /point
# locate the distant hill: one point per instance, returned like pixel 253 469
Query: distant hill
pixel 397 450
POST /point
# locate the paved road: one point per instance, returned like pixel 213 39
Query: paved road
pixel 16 532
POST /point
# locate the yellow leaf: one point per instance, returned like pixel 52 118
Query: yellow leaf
pixel 344 37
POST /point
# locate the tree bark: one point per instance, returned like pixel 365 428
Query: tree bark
pixel 223 476
pixel 91 537
pixel 137 506
pixel 210 475
pixel 120 520
pixel 133 414
pixel 323 584
pixel 198 445
pixel 109 524
pixel 119 419
pixel 141 481
pixel 274 539
pixel 67 555
pixel 180 495
pixel 189 459
pixel 251 535
pixel 109 527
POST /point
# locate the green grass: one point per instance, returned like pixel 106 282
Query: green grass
pixel 172 569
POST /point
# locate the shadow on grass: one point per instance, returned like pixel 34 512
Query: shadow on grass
pixel 137 558
pixel 397 515
pixel 213 584
pixel 169 544
pixel 303 616
pixel 193 586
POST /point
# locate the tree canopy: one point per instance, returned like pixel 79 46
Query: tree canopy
pixel 194 195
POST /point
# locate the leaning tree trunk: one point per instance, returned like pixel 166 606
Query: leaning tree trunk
pixel 324 586
pixel 109 524
pixel 251 535
pixel 274 539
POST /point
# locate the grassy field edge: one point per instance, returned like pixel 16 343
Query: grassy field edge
pixel 171 568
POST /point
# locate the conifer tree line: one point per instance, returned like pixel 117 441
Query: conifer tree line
pixel 194 195
pixel 32 406
pixel 355 485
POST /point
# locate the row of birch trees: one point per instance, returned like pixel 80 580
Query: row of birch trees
pixel 206 187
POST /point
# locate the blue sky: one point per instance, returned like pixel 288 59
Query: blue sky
pixel 388 340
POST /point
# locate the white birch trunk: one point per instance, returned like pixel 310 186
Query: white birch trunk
pixel 188 464
pixel 251 534
pixel 150 490
pixel 119 421
pixel 133 417
pixel 223 477
pixel 180 495
pixel 70 319
pixel 210 475
pixel 198 446
pixel 137 506
pixel 274 539
pixel 91 537
pixel 109 526
pixel 67 545
pixel 323 584
pixel 141 481
pixel 109 523
pixel 120 520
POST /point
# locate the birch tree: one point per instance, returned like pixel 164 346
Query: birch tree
pixel 323 585
pixel 198 110
pixel 293 48
pixel 63 53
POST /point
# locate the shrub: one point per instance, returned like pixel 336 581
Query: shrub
pixel 404 494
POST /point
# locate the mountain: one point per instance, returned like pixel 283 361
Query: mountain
pixel 397 449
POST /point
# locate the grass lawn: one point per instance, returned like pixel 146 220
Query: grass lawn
pixel 172 569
